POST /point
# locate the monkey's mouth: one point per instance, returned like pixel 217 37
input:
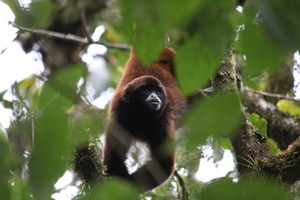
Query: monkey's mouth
pixel 154 104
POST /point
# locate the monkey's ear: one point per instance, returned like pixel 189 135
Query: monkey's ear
pixel 126 93
pixel 167 56
pixel 167 59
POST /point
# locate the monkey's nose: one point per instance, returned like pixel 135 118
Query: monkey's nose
pixel 153 98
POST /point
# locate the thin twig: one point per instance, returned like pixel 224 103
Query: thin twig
pixel 70 37
pixel 183 186
pixel 4 50
pixel 267 94
pixel 81 10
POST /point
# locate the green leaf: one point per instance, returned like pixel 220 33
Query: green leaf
pixel 52 142
pixel 225 143
pixel 246 188
pixel 273 148
pixel 261 125
pixel 5 167
pixel 2 131
pixel 20 188
pixel 112 190
pixel 288 107
pixel 52 147
pixel 42 11
pixel 218 116
pixel 148 51
pixel 87 123
pixel 140 19
pixel 199 57
pixel 2 95
pixel 146 23
pixel 259 122
pixel 4 149
pixel 14 5
pixel 195 64
pixel 5 103
pixel 280 18
pixel 65 81
pixel 38 15
pixel 262 53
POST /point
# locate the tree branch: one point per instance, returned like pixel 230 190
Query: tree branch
pixel 253 157
pixel 282 128
pixel 252 153
pixel 182 185
pixel 81 11
pixel 268 94
pixel 70 37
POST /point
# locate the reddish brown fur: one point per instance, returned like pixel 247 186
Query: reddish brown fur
pixel 121 129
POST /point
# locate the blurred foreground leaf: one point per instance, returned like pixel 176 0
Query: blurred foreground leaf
pixel 112 190
pixel 281 20
pixel 38 14
pixel 199 58
pixel 52 144
pixel 147 23
pixel 5 167
pixel 218 116
pixel 246 188
pixel 262 53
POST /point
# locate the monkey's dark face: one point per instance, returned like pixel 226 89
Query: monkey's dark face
pixel 145 97
pixel 152 97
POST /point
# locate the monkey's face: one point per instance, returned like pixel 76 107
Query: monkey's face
pixel 145 96
pixel 152 96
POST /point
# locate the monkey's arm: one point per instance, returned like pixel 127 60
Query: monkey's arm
pixel 116 145
pixel 158 169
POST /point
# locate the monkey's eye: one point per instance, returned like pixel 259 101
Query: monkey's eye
pixel 146 90
pixel 163 62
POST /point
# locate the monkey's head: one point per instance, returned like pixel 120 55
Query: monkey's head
pixel 145 96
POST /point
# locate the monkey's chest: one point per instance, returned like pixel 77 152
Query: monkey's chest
pixel 146 130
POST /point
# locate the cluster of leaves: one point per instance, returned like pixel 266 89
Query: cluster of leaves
pixel 200 31
pixel 54 136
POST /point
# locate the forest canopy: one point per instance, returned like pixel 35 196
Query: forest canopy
pixel 235 64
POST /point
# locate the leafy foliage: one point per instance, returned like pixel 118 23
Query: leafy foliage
pixel 246 188
pixel 218 116
pixel 108 190
pixel 52 122
pixel 257 45
pixel 259 123
pixel 280 26
pixel 6 164
pixel 289 107
pixel 52 128
pixel 143 17
pixel 38 14
pixel 199 57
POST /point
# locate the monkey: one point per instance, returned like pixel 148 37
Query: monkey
pixel 147 107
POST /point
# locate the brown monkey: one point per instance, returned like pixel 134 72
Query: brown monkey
pixel 146 107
